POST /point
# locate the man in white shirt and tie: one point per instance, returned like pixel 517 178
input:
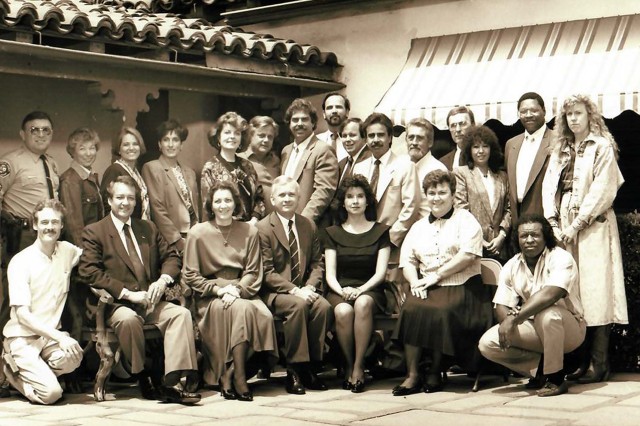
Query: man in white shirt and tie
pixel 459 120
pixel 527 156
pixel 335 110
pixel 419 137
pixel 309 161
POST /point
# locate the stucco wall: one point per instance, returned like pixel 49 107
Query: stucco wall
pixel 373 44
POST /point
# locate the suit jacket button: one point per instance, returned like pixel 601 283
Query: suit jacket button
pixel 136 288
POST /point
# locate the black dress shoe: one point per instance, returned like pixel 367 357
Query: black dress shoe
pixel 294 384
pixel 358 386
pixel 227 393
pixel 246 396
pixel 313 382
pixel 147 388
pixel 177 395
pixel 404 391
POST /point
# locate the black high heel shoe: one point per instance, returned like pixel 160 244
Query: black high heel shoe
pixel 245 396
pixel 347 385
pixel 432 385
pixel 227 393
pixel 358 386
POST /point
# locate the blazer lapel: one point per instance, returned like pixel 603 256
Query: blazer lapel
pixel 143 244
pixel 304 158
pixel 278 230
pixel 385 177
pixel 171 176
pixel 541 156
pixel 481 190
pixel 513 160
pixel 305 244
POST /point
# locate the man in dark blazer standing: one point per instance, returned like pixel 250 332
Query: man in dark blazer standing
pixel 527 157
pixel 310 162
pixel 459 119
pixel 293 271
pixel 131 260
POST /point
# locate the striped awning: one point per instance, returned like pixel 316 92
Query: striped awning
pixel 489 70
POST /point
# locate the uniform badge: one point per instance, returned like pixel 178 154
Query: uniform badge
pixel 5 169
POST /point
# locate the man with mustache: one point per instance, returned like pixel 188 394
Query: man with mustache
pixel 526 157
pixel 28 175
pixel 35 349
pixel 335 110
pixel 310 162
pixel 460 119
pixel 419 137
pixel 394 181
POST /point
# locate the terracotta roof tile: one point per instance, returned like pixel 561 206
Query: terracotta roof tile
pixel 132 22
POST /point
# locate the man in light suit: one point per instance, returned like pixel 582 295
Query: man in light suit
pixel 292 288
pixel 335 110
pixel 459 120
pixel 419 137
pixel 309 161
pixel 527 157
pixel 393 179
pixel 131 260
pixel 174 208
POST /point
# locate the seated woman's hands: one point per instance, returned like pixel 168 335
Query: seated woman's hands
pixel 350 293
pixel 419 288
pixel 228 294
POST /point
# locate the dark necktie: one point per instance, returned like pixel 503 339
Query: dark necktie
pixel 375 176
pixel 295 261
pixel 138 267
pixel 47 174
pixel 347 168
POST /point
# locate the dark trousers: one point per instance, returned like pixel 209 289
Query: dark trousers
pixel 305 326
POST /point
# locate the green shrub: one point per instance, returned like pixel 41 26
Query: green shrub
pixel 625 340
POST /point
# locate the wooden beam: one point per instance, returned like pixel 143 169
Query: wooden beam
pixel 43 61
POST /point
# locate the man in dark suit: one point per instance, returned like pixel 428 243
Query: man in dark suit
pixel 527 157
pixel 131 260
pixel 355 145
pixel 459 120
pixel 309 161
pixel 293 269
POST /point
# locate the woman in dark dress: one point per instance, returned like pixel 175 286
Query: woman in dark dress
pixel 126 149
pixel 229 137
pixel 356 256
pixel 448 308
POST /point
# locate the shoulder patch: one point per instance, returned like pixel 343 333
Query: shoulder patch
pixel 5 169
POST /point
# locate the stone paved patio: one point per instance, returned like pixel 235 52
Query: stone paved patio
pixel 616 402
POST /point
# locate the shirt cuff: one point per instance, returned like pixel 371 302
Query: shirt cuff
pixel 123 294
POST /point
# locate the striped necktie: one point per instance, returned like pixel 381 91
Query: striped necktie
pixel 295 261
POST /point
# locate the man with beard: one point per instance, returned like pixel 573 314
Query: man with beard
pixel 393 180
pixel 335 110
pixel 310 162
pixel 526 158
pixel 419 137
pixel 459 120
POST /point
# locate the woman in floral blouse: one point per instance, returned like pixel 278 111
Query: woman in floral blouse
pixel 228 137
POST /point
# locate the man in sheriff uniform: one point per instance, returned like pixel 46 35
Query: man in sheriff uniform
pixel 28 175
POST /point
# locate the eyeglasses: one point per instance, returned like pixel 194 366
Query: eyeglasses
pixel 40 130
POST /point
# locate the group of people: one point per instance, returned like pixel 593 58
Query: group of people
pixel 311 237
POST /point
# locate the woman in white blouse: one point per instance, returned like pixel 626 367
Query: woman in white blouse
pixel 482 188
pixel 448 308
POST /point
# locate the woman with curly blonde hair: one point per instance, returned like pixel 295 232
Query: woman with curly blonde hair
pixel 577 196
pixel 228 137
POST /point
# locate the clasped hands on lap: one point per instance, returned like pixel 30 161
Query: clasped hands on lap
pixel 306 293
pixel 147 299
pixel 420 286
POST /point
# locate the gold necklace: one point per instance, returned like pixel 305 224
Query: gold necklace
pixel 224 238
